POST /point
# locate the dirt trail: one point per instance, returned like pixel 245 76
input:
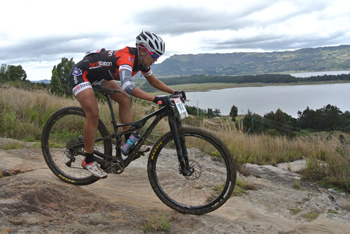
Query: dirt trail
pixel 34 200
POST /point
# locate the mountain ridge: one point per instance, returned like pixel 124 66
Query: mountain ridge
pixel 330 58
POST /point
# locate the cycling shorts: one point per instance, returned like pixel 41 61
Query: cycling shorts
pixel 79 83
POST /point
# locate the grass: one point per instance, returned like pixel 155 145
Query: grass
pixel 242 188
pixel 12 145
pixel 156 224
pixel 310 215
pixel 297 184
pixel 25 112
pixel 295 210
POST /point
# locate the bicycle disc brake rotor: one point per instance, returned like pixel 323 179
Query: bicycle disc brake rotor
pixel 197 170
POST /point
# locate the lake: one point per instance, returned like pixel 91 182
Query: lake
pixel 309 74
pixel 261 100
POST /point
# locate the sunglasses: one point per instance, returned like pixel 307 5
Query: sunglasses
pixel 154 55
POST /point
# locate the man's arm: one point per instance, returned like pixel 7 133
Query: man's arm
pixel 159 84
pixel 130 88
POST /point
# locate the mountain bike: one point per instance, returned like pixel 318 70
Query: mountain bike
pixel 190 169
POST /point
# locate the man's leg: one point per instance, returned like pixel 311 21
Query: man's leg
pixel 89 104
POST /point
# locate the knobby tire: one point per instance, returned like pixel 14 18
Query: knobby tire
pixel 62 131
pixel 212 182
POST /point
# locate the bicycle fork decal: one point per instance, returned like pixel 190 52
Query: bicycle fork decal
pixel 156 149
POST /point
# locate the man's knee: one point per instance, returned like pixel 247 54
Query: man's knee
pixel 92 115
pixel 122 98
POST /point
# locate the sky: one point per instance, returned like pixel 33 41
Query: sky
pixel 36 34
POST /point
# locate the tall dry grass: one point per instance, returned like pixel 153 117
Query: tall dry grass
pixel 24 112
pixel 327 153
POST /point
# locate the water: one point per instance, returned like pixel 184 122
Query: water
pixel 261 100
pixel 309 74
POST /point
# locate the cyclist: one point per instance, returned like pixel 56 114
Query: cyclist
pixel 103 67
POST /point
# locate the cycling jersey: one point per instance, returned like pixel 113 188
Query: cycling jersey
pixel 107 65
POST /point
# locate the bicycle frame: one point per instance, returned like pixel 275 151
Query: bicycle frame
pixel 165 111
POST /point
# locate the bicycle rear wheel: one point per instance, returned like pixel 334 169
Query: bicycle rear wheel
pixel 62 145
pixel 212 181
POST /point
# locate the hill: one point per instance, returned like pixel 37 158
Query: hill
pixel 42 81
pixel 309 59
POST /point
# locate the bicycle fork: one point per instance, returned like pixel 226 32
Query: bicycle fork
pixel 181 148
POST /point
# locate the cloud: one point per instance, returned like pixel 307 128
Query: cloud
pixel 265 26
pixel 41 36
pixel 52 47
pixel 181 20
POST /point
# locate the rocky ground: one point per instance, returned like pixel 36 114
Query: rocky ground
pixel 32 199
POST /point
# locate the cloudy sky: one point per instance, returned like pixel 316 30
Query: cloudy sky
pixel 38 33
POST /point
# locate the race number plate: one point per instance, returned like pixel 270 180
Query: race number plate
pixel 181 108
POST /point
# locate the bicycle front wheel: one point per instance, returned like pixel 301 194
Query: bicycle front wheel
pixel 63 147
pixel 212 181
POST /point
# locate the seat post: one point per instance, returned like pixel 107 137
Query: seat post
pixel 114 120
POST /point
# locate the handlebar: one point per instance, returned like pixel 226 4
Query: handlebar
pixel 174 96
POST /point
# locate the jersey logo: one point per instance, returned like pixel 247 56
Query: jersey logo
pixel 77 72
pixel 131 59
pixel 99 64
pixel 80 87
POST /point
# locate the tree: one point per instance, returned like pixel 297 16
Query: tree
pixel 280 121
pixel 331 118
pixel 61 73
pixel 3 69
pixel 308 119
pixel 345 120
pixel 217 112
pixel 328 118
pixel 16 73
pixel 210 113
pixel 12 73
pixel 56 86
pixel 192 110
pixel 253 123
pixel 234 112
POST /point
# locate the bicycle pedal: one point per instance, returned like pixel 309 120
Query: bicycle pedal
pixel 117 167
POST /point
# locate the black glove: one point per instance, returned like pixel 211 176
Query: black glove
pixel 182 93
pixel 161 100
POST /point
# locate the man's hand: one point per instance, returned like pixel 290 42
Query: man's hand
pixel 161 100
pixel 182 93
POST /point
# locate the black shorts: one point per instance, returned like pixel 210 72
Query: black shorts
pixel 78 80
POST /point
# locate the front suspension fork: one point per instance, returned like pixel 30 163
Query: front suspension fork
pixel 181 148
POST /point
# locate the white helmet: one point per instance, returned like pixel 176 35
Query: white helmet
pixel 151 42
